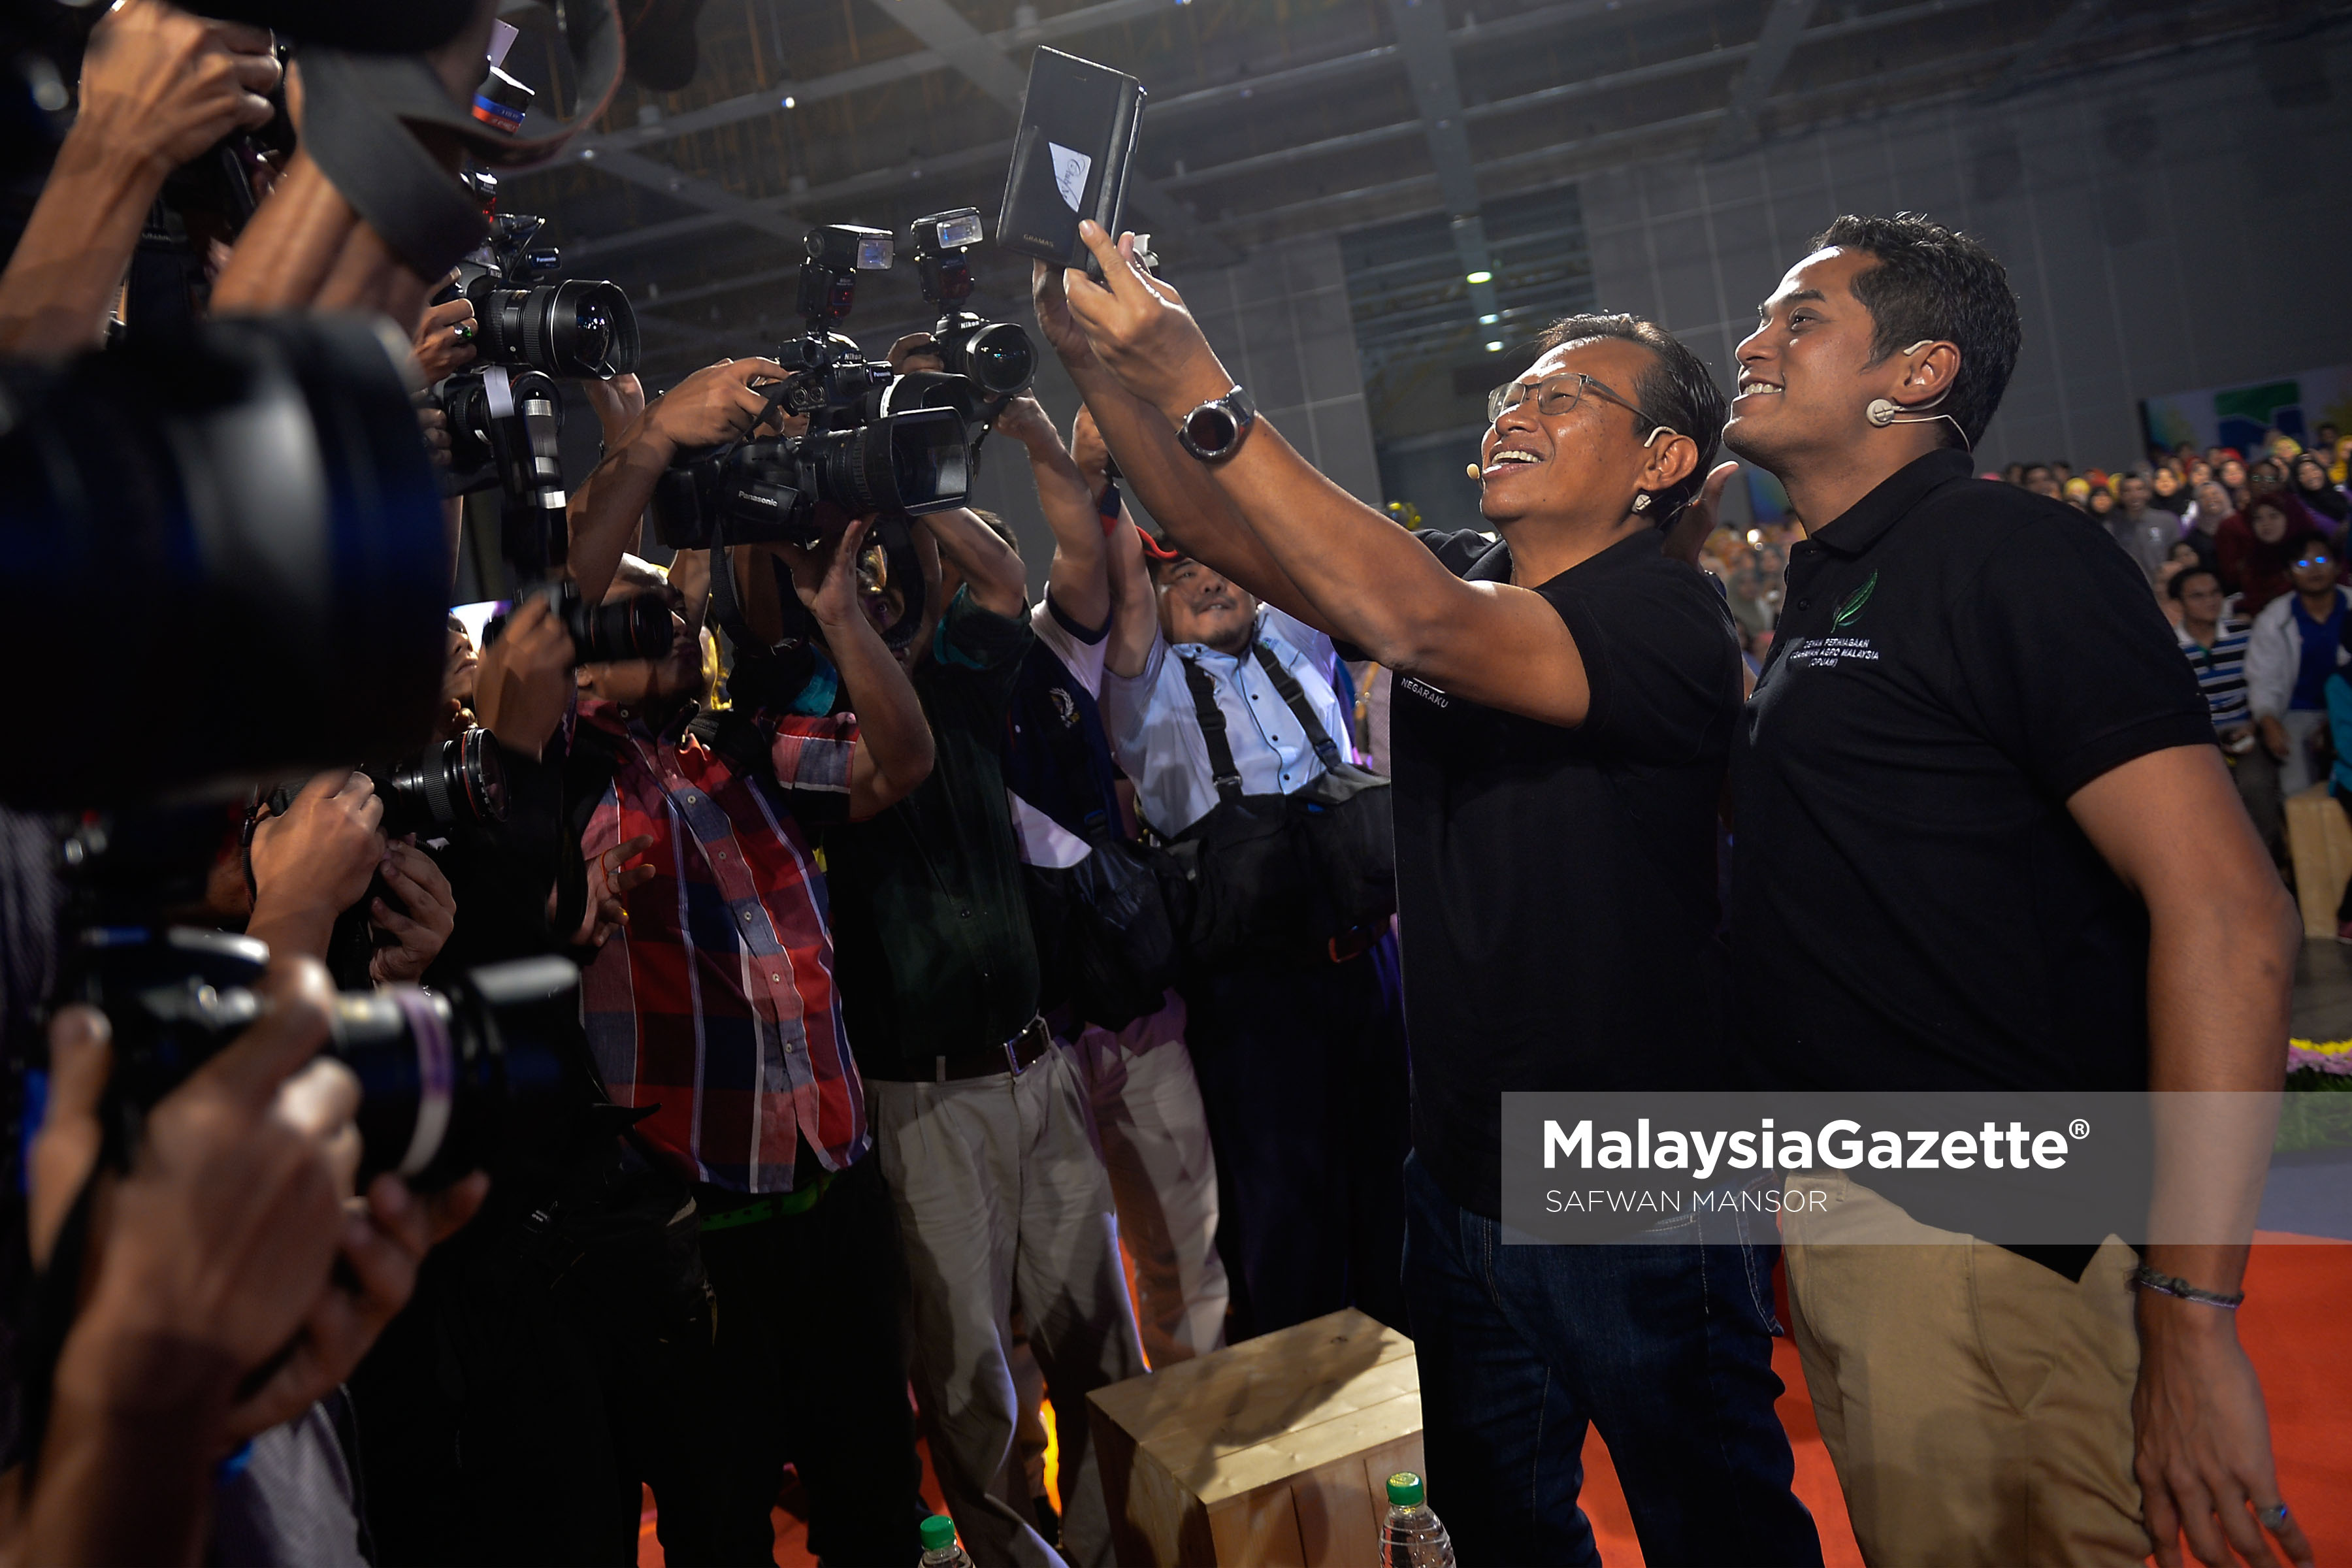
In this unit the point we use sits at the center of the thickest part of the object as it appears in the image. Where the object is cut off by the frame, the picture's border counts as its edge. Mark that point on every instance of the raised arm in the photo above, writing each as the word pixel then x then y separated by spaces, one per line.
pixel 1135 603
pixel 1186 502
pixel 1077 580
pixel 715 404
pixel 2222 941
pixel 158 86
pixel 1375 584
pixel 1000 584
pixel 894 749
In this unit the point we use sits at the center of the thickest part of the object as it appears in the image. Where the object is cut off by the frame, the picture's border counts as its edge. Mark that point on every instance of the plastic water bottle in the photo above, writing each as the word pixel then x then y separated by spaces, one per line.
pixel 1410 1537
pixel 939 1548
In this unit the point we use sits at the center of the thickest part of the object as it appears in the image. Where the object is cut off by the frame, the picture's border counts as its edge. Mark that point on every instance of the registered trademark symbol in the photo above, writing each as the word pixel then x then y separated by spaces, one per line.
pixel 2079 1128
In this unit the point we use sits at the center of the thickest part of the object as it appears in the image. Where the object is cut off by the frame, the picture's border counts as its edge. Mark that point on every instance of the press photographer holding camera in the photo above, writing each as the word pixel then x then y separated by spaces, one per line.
pixel 797 1232
pixel 221 1220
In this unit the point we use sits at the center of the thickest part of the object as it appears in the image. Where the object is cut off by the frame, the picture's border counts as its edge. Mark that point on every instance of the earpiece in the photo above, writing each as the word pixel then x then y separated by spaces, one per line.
pixel 1882 412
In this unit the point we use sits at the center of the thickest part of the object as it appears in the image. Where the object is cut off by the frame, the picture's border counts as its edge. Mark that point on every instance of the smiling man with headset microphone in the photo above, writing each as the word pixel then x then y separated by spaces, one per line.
pixel 1985 841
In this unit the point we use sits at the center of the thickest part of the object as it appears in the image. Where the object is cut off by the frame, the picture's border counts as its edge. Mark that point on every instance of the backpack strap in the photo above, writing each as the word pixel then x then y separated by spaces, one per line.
pixel 1223 771
pixel 1292 693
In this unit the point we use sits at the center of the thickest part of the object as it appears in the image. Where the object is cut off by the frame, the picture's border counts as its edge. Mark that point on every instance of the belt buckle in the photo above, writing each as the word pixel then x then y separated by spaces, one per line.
pixel 1013 1048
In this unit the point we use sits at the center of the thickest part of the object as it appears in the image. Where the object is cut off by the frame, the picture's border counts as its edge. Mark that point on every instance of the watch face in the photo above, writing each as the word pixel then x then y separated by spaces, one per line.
pixel 1211 427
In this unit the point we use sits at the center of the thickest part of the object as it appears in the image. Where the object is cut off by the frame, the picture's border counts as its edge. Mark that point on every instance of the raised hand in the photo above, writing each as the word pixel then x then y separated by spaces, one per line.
pixel 616 402
pixel 715 404
pixel 1689 531
pixel 160 86
pixel 444 335
pixel 523 685
pixel 1139 329
pixel 825 577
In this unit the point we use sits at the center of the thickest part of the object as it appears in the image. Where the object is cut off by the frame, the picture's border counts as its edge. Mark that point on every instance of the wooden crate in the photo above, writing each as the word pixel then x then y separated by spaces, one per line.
pixel 1274 1452
pixel 2319 841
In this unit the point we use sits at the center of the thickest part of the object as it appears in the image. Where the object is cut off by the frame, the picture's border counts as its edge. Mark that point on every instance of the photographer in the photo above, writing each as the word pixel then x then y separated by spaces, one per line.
pixel 158 88
pixel 1144 1101
pixel 225 1287
pixel 979 1122
pixel 685 1018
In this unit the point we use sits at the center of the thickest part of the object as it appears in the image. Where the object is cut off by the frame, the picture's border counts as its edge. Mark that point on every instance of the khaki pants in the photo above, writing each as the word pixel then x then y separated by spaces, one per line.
pixel 1977 1405
pixel 1003 1202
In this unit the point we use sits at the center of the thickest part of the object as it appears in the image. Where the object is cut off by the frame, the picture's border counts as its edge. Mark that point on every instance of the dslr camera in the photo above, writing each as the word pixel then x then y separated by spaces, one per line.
pixel 505 415
pixel 639 626
pixel 987 362
pixel 454 1079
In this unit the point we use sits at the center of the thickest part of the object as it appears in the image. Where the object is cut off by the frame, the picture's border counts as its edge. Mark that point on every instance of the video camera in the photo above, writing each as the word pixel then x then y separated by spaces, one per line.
pixel 852 457
pixel 505 415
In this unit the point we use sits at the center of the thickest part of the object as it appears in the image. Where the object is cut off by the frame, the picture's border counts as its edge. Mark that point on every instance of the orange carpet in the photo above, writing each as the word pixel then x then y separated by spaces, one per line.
pixel 2294 1326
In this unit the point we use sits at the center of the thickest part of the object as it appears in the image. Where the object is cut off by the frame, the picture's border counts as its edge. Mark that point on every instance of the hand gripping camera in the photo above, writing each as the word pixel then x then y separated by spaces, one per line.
pixel 505 415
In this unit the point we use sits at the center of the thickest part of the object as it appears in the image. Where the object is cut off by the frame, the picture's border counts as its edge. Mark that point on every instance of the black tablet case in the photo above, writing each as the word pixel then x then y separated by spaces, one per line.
pixel 1070 157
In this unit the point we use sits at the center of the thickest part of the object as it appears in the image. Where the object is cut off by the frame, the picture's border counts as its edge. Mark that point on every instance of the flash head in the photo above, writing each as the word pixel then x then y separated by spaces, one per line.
pixel 852 248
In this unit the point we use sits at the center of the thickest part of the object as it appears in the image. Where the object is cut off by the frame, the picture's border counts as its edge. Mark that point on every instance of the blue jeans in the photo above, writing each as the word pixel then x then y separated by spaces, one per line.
pixel 1666 1347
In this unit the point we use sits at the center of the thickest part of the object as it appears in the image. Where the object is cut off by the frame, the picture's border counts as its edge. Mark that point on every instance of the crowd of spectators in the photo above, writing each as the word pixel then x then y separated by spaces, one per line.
pixel 2245 553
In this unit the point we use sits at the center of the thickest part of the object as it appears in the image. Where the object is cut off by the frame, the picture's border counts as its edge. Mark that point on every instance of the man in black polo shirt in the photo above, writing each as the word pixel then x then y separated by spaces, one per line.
pixel 1564 705
pixel 1985 841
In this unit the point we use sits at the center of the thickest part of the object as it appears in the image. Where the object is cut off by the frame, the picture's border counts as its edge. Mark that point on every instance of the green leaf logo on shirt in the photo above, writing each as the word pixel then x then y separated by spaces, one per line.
pixel 1853 607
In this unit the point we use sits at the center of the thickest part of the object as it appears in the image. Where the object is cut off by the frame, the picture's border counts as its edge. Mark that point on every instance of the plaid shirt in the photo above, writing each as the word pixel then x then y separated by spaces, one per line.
pixel 716 1000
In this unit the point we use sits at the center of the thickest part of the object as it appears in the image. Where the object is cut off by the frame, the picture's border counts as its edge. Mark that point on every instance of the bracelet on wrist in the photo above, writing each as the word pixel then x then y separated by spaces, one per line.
pixel 2146 1278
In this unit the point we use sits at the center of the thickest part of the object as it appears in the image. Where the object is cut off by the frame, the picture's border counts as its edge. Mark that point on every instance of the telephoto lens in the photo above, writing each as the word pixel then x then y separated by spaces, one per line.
pixel 446 784
pixel 452 1079
pixel 253 507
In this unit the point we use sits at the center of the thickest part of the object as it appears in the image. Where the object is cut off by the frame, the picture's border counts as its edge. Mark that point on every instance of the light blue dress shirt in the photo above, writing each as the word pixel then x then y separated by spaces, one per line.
pixel 1156 735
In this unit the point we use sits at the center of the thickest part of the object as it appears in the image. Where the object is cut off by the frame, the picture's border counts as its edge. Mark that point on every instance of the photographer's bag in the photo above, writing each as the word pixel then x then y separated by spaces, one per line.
pixel 1278 878
pixel 1107 943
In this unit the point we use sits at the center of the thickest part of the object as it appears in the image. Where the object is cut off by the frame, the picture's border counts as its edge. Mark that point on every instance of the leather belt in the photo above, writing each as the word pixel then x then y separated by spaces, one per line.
pixel 1015 1055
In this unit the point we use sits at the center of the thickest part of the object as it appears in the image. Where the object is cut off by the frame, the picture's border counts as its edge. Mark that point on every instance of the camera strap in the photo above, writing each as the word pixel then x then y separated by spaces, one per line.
pixel 363 116
pixel 1222 770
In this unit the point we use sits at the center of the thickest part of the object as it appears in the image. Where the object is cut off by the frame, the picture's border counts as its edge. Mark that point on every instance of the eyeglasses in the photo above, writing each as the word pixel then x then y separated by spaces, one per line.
pixel 1558 394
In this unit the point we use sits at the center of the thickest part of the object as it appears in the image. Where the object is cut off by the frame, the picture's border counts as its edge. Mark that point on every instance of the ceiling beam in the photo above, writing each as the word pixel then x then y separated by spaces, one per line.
pixel 1428 57
pixel 981 61
pixel 1784 26
pixel 1221 96
pixel 2065 29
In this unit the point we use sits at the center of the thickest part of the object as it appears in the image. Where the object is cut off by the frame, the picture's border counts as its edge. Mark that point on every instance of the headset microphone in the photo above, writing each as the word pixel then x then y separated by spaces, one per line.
pixel 1881 412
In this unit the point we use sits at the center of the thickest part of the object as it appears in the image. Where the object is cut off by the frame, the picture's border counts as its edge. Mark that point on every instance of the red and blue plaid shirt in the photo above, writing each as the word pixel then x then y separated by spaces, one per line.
pixel 716 1000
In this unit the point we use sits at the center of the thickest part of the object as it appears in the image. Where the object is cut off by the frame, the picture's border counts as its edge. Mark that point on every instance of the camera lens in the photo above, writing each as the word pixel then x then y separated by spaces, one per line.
pixel 253 507
pixel 451 1079
pixel 910 462
pixel 581 328
pixel 448 783
pixel 1000 357
pixel 639 626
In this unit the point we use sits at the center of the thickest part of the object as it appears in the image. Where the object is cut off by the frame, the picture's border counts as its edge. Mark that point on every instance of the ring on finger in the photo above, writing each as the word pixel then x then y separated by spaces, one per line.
pixel 463 331
pixel 2275 1517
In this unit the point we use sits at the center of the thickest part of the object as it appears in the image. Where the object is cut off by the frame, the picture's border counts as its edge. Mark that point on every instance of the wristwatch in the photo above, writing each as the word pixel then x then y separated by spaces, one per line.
pixel 1212 430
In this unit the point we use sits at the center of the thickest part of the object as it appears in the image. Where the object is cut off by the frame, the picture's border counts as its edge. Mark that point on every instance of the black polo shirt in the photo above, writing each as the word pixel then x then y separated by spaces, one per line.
pixel 1555 887
pixel 1912 906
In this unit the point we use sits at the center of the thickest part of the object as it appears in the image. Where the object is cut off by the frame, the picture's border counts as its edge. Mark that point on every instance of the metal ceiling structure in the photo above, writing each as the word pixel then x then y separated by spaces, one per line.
pixel 1267 119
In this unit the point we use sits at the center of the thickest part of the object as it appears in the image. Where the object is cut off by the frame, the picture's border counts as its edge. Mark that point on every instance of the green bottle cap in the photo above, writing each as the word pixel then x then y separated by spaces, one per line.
pixel 1405 1489
pixel 938 1532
